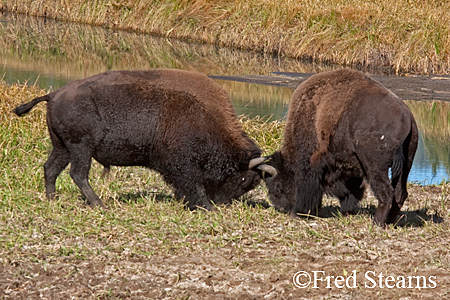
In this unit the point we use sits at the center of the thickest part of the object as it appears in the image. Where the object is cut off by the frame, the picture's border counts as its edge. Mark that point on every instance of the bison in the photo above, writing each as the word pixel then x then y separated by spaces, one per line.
pixel 179 123
pixel 344 129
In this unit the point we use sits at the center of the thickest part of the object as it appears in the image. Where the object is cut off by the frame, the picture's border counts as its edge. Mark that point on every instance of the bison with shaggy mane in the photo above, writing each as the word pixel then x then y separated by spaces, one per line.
pixel 344 128
pixel 181 124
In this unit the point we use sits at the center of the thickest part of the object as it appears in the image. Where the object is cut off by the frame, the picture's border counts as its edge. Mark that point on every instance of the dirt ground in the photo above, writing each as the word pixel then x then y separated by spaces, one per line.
pixel 225 275
pixel 406 87
pixel 393 265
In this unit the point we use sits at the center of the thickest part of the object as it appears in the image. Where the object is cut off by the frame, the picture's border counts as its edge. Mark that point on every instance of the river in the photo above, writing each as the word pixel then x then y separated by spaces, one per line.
pixel 50 53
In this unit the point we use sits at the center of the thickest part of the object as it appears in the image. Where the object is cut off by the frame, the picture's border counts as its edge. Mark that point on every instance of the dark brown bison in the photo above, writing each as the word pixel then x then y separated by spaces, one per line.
pixel 344 127
pixel 178 123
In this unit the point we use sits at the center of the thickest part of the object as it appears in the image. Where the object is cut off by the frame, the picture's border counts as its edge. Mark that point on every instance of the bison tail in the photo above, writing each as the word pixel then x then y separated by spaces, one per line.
pixel 397 163
pixel 24 108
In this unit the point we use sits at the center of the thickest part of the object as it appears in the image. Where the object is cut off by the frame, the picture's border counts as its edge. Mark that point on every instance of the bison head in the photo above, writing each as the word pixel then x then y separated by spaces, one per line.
pixel 242 180
pixel 281 187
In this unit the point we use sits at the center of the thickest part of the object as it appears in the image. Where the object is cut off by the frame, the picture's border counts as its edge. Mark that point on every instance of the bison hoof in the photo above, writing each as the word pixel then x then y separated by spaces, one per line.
pixel 294 215
pixel 97 204
pixel 204 206
pixel 379 222
pixel 51 196
pixel 391 220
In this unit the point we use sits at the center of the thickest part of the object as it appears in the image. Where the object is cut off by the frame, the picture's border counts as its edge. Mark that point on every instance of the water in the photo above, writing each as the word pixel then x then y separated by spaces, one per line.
pixel 50 54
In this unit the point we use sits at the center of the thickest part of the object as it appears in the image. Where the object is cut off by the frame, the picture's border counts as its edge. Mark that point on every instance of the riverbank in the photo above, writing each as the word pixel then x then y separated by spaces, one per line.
pixel 401 36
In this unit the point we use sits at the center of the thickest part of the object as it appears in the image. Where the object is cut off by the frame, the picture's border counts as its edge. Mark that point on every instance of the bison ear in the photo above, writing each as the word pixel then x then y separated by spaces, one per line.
pixel 244 157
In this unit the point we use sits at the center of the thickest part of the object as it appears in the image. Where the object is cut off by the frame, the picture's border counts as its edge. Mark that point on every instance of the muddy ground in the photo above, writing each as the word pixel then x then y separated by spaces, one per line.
pixel 406 87
pixel 411 261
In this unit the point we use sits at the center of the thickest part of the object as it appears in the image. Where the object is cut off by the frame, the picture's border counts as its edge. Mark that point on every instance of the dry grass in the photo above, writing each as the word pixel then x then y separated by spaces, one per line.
pixel 405 36
pixel 72 51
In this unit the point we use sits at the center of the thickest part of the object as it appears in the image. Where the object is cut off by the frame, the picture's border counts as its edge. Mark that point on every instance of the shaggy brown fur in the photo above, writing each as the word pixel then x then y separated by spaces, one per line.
pixel 344 127
pixel 179 123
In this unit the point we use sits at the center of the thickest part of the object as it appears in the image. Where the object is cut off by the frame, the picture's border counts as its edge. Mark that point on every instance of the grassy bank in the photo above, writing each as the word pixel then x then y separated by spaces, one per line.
pixel 404 36
pixel 147 246
pixel 71 51
pixel 46 47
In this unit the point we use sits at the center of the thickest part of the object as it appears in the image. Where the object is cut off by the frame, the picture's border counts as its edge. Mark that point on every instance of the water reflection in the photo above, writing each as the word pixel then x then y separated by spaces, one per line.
pixel 433 154
pixel 51 53
pixel 68 50
pixel 258 100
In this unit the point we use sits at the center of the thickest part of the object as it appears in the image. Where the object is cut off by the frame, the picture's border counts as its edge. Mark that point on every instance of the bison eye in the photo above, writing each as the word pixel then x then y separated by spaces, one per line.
pixel 229 171
pixel 243 178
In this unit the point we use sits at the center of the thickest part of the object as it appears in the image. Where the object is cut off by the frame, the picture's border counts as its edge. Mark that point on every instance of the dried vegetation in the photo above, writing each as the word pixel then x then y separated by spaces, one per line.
pixel 403 36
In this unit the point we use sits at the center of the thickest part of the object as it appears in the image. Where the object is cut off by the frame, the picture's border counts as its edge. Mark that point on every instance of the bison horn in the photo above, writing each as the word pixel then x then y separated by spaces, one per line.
pixel 268 169
pixel 263 167
pixel 256 161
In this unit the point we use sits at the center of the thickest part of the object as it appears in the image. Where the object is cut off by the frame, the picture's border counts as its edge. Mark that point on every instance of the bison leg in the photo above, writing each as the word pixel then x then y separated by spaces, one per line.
pixel 384 192
pixel 376 169
pixel 400 183
pixel 106 170
pixel 393 213
pixel 194 197
pixel 308 197
pixel 349 202
pixel 79 171
pixel 56 163
pixel 400 194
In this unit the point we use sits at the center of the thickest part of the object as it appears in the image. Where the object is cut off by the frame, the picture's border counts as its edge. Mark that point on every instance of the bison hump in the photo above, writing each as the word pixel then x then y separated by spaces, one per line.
pixel 331 94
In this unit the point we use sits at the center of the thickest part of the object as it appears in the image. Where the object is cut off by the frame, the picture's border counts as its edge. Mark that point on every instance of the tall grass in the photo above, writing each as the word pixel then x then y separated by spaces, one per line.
pixel 75 51
pixel 404 35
